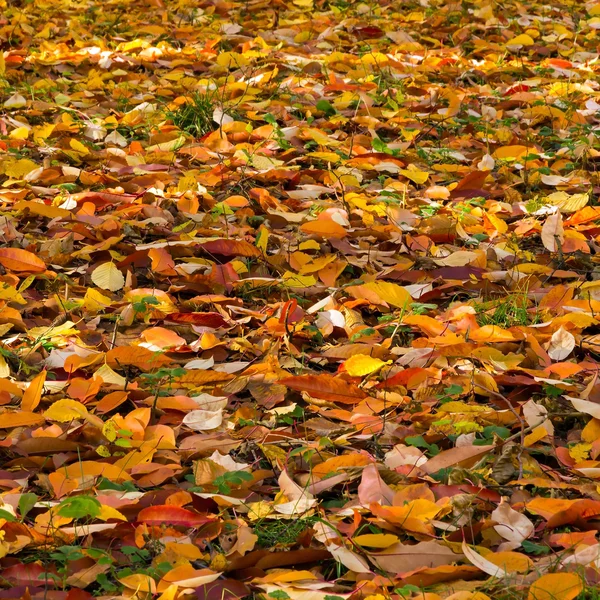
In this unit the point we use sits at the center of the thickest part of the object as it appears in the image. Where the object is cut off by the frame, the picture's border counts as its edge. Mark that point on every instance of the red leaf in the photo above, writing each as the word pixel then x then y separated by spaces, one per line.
pixel 29 574
pixel 230 248
pixel 212 319
pixel 174 515
pixel 368 33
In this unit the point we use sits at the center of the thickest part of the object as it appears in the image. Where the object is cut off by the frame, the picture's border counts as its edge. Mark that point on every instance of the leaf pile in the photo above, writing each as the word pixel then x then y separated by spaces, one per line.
pixel 299 300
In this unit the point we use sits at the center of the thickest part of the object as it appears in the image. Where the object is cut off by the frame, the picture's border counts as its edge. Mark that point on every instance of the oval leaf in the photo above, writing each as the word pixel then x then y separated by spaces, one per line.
pixel 15 259
pixel 108 277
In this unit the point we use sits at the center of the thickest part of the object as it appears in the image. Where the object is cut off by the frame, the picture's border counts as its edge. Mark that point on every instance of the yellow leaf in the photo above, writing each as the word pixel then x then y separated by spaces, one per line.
pixel 64 411
pixel 9 293
pixel 520 40
pixel 499 225
pixel 262 239
pixel 167 146
pixel 291 280
pixel 591 432
pixel 79 147
pixel 568 203
pixel 310 245
pixel 231 60
pixel 360 365
pixel 39 208
pixel 94 301
pixel 556 586
pixel 303 3
pixel 331 157
pixel 415 176
pixel 109 431
pixel 108 277
pixel 539 433
pixel 42 132
pixel 19 168
pixel 511 562
pixel 20 133
pixel 139 583
pixel 391 293
pixel 264 163
pixel 376 540
pixel 580 452
pixel 108 512
pixel 511 152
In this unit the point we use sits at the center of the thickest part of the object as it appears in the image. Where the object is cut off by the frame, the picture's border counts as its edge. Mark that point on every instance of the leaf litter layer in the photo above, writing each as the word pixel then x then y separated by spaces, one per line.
pixel 299 300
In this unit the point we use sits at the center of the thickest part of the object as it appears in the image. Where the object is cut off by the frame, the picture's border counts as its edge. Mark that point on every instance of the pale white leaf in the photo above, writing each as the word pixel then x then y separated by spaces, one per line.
pixel 200 363
pixel 585 406
pixel 487 163
pixel 562 343
pixel 15 101
pixel 482 563
pixel 553 232
pixel 227 462
pixel 535 414
pixel 203 420
pixel 512 525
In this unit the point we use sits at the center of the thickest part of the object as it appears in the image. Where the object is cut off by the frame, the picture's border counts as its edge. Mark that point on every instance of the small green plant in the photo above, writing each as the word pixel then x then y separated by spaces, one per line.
pixel 195 116
pixel 510 311
pixel 79 507
pixel 274 532
pixel 418 441
pixel 142 307
pixel 235 478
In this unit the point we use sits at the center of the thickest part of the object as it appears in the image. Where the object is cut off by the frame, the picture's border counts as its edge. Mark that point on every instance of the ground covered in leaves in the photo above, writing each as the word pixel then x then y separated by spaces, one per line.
pixel 299 300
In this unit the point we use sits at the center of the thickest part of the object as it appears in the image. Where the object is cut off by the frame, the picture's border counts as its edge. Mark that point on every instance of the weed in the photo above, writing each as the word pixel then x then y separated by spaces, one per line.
pixel 273 533
pixel 196 115
pixel 506 312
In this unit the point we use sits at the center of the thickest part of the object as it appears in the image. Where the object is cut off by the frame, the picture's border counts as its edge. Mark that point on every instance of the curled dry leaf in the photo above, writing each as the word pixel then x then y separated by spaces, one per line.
pixel 553 232
pixel 511 524
pixel 562 343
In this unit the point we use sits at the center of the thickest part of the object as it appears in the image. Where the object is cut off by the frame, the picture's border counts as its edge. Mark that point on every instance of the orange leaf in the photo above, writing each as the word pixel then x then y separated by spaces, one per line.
pixel 324 228
pixel 138 357
pixel 33 394
pixel 556 586
pixel 22 418
pixel 111 401
pixel 325 387
pixel 491 333
pixel 162 261
pixel 16 259
pixel 333 465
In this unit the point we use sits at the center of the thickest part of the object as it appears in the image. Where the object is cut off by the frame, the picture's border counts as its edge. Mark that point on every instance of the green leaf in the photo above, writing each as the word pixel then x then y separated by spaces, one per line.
pixel 380 146
pixel 326 107
pixel 26 503
pixel 4 514
pixel 533 548
pixel 79 507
